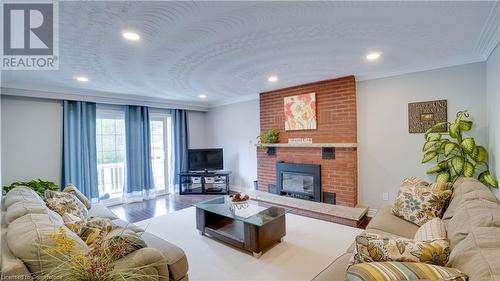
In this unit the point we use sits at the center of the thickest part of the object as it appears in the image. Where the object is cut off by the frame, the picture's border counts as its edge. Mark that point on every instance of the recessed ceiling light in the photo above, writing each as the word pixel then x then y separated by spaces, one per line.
pixel 132 36
pixel 373 56
pixel 82 79
pixel 272 79
pixel 203 96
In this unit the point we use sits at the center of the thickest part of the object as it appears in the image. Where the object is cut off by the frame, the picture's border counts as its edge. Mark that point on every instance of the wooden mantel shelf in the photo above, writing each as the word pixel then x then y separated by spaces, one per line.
pixel 323 144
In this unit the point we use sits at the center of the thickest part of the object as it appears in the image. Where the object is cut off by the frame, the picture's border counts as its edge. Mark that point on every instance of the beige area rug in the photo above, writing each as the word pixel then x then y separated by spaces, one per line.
pixel 309 246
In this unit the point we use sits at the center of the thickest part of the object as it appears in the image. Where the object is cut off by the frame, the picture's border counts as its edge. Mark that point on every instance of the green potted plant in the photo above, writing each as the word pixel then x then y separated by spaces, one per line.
pixel 270 136
pixel 39 186
pixel 456 153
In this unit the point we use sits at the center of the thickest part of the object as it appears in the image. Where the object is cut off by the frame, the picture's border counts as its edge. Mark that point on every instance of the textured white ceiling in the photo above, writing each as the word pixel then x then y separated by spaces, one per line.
pixel 227 50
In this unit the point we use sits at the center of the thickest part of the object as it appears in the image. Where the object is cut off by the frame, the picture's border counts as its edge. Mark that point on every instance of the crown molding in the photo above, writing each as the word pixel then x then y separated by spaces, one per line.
pixel 98 97
pixel 361 77
pixel 234 100
pixel 489 37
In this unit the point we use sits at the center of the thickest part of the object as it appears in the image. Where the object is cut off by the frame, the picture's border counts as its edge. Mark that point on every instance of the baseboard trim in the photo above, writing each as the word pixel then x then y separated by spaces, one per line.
pixel 371 212
pixel 238 188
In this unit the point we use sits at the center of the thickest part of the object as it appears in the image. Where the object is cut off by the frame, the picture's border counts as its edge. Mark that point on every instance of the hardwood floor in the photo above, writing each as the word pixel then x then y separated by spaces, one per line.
pixel 138 211
pixel 161 205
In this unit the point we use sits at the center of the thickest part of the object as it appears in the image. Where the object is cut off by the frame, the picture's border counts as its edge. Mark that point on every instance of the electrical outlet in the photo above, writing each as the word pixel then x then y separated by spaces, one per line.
pixel 385 196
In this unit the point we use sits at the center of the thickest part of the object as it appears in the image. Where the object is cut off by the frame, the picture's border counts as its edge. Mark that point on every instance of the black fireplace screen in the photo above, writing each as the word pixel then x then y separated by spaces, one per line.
pixel 298 182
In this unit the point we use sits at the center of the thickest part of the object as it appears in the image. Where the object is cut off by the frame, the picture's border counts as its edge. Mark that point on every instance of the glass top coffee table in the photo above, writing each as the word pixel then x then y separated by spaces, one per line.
pixel 250 226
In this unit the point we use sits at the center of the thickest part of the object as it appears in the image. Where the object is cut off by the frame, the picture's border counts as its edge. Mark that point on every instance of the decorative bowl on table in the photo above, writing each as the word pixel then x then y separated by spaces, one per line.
pixel 238 201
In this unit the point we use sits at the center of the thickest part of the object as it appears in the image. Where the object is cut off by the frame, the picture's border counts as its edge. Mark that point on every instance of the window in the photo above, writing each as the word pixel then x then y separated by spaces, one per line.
pixel 160 149
pixel 110 142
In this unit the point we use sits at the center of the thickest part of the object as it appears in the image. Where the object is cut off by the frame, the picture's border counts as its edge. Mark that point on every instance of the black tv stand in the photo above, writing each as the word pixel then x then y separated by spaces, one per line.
pixel 206 172
pixel 204 182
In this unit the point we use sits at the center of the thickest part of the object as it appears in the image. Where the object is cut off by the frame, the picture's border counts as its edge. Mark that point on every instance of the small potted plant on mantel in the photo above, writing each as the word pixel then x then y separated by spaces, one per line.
pixel 266 137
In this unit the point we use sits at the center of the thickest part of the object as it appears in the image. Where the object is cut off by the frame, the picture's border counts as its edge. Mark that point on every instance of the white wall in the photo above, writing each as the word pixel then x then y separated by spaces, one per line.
pixel 31 139
pixel 493 98
pixel 235 127
pixel 197 129
pixel 387 152
pixel 1 184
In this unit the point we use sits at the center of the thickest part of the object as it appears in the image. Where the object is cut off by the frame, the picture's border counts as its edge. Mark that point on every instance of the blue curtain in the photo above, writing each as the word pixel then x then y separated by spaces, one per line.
pixel 180 141
pixel 79 165
pixel 139 180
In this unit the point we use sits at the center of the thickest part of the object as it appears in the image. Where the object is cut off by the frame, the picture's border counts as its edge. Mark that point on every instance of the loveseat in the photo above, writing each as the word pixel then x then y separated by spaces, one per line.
pixel 472 221
pixel 26 221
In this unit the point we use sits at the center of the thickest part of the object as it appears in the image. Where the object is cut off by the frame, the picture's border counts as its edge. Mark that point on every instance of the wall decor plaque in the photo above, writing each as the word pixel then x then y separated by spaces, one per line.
pixel 423 115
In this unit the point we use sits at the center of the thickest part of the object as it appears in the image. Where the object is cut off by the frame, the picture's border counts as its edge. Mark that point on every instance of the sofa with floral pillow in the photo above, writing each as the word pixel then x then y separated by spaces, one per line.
pixel 431 232
pixel 39 234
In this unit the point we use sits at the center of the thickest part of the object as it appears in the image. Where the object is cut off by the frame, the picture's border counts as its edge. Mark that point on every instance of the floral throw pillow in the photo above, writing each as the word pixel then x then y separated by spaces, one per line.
pixel 441 186
pixel 420 204
pixel 63 202
pixel 374 248
pixel 90 229
pixel 414 181
pixel 70 188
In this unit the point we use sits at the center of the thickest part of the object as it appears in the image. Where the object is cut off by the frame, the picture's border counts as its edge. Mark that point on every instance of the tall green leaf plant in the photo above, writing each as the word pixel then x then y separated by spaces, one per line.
pixel 456 153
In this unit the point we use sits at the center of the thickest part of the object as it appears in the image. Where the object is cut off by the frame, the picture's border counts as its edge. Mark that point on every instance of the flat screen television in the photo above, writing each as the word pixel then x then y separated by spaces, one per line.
pixel 205 159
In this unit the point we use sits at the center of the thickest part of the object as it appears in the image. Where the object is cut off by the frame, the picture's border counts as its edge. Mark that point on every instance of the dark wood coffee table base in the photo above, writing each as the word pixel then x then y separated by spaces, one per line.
pixel 242 235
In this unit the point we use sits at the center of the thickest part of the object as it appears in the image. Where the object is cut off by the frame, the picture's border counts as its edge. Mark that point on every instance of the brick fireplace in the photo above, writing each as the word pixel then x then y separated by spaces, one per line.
pixel 336 123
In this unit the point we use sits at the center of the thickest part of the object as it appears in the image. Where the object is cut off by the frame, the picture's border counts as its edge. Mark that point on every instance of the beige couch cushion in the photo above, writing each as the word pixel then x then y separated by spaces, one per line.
pixel 128 225
pixel 150 261
pixel 384 220
pixel 467 189
pixel 19 209
pixel 101 211
pixel 465 185
pixel 175 256
pixel 336 270
pixel 478 255
pixel 25 234
pixel 22 194
pixel 12 267
pixel 472 214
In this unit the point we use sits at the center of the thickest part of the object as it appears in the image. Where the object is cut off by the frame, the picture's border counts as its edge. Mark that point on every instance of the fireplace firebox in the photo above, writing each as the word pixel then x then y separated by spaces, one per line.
pixel 299 180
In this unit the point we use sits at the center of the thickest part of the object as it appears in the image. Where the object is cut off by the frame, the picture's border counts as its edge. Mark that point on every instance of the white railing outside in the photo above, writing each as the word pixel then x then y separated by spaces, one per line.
pixel 111 179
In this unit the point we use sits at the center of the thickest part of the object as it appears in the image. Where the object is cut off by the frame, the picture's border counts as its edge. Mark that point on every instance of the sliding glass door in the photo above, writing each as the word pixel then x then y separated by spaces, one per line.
pixel 111 153
pixel 161 140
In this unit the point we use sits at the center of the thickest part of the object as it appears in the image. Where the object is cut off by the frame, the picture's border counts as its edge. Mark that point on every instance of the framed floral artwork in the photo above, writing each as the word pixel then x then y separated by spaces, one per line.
pixel 300 112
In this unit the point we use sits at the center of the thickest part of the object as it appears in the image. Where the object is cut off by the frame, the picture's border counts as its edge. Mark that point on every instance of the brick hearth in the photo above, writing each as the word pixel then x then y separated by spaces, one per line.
pixel 336 123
